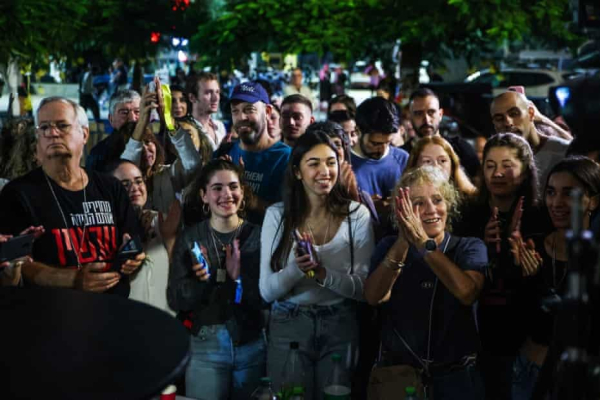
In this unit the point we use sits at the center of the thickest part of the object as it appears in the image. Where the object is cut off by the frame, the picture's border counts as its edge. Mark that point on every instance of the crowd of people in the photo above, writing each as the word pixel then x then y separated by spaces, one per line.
pixel 414 259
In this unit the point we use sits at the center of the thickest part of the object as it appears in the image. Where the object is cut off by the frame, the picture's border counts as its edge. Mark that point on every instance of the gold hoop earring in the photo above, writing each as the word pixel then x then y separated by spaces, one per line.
pixel 205 208
pixel 242 206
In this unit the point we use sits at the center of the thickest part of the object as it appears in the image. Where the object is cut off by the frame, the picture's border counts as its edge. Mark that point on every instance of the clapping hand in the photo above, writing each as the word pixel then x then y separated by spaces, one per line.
pixel 408 219
pixel 524 254
pixel 232 259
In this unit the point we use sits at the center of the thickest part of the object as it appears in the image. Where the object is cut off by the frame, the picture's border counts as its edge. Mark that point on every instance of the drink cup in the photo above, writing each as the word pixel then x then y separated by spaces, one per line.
pixel 169 393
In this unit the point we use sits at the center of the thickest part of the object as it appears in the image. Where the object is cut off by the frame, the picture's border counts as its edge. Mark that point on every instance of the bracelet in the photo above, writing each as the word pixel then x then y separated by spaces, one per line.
pixel 392 264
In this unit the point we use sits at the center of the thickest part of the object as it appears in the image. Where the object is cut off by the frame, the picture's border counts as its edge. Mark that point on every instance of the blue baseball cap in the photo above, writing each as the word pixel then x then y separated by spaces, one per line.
pixel 250 92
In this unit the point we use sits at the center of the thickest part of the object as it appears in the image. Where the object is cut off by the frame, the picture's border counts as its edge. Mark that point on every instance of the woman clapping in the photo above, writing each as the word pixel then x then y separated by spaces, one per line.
pixel 428 280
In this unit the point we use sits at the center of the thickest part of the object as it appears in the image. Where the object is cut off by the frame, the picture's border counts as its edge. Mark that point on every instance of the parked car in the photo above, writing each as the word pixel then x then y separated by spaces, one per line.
pixel 537 82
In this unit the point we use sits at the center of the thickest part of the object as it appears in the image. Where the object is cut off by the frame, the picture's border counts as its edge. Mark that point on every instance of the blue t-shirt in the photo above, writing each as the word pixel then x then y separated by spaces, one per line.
pixel 264 170
pixel 453 329
pixel 380 176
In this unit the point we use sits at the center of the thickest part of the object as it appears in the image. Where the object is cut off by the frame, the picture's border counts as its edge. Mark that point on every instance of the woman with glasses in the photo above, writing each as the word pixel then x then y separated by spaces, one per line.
pixel 149 282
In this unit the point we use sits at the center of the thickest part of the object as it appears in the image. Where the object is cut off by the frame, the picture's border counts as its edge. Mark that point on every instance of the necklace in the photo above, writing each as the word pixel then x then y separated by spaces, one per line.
pixel 221 272
pixel 326 231
pixel 77 253
pixel 554 284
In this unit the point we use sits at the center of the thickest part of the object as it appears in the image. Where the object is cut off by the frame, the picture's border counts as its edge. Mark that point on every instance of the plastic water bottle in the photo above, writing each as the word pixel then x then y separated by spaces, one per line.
pixel 293 373
pixel 411 393
pixel 338 384
pixel 264 390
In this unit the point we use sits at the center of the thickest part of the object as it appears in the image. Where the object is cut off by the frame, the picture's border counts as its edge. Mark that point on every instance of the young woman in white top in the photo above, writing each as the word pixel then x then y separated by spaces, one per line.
pixel 312 300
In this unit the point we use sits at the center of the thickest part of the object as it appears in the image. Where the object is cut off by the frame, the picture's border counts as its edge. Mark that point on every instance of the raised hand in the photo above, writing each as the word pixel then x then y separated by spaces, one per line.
pixel 491 234
pixel 515 223
pixel 348 179
pixel 169 225
pixel 408 219
pixel 525 255
pixel 232 259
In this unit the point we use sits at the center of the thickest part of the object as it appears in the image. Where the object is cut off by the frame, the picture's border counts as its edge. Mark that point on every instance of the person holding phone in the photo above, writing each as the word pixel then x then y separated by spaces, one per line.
pixel 319 290
pixel 214 283
pixel 163 181
pixel 149 282
pixel 86 215
pixel 10 269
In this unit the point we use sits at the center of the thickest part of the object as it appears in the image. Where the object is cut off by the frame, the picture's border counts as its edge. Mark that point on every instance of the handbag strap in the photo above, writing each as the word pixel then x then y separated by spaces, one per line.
pixel 425 362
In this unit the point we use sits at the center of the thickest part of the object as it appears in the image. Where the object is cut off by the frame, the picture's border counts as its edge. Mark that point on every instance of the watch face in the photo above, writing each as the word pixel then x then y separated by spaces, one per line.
pixel 430 245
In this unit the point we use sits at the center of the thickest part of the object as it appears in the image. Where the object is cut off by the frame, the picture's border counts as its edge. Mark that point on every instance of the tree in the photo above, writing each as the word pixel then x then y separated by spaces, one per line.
pixel 352 28
pixel 33 29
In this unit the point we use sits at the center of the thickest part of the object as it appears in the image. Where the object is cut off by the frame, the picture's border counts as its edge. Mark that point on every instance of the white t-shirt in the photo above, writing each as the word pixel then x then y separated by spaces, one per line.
pixel 553 150
pixel 219 130
pixel 342 281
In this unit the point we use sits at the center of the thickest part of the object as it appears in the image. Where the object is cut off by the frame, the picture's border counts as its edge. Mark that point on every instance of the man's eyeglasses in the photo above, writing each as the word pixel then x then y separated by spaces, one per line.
pixel 46 127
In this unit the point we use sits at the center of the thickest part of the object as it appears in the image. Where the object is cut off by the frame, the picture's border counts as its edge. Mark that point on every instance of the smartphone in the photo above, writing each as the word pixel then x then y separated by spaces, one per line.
pixel 304 247
pixel 152 86
pixel 197 257
pixel 16 247
pixel 131 249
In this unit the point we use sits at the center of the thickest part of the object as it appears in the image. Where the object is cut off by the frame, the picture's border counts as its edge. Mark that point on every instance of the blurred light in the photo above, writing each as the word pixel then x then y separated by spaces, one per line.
pixel 562 95
pixel 184 42
pixel 154 37
pixel 175 41
pixel 182 56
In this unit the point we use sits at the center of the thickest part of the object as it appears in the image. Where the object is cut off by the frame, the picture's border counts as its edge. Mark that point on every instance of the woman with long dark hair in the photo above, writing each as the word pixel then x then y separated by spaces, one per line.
pixel 220 296
pixel 576 172
pixel 312 293
pixel 506 208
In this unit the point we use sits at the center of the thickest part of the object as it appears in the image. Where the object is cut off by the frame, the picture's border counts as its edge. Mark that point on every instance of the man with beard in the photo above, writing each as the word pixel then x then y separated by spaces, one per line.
pixel 512 112
pixel 264 159
pixel 426 115
pixel 377 165
pixel 296 116
pixel 205 94
pixel 86 215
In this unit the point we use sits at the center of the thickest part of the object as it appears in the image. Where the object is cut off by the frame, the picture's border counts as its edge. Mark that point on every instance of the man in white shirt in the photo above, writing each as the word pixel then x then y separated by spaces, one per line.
pixel 512 112
pixel 204 94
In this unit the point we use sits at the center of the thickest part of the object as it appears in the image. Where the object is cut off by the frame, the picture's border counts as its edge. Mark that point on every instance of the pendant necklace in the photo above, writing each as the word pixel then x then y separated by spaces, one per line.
pixel 77 253
pixel 221 270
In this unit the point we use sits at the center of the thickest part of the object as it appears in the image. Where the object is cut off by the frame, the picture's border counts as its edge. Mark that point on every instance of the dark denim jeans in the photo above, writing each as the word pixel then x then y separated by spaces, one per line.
pixel 525 375
pixel 463 384
pixel 218 370
pixel 321 331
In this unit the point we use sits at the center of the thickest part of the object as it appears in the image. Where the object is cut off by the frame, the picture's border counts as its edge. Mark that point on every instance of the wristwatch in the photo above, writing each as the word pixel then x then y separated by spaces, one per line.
pixel 430 245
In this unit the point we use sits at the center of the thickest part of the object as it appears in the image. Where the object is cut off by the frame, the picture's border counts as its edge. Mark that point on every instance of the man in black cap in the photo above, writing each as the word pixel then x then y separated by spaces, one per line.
pixel 263 158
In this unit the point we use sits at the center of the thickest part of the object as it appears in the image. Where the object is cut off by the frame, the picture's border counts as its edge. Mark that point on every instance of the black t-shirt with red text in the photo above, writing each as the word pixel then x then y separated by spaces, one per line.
pixel 104 216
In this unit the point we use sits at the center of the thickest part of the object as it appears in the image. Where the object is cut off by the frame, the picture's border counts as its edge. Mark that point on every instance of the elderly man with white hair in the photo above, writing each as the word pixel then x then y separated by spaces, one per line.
pixel 86 215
